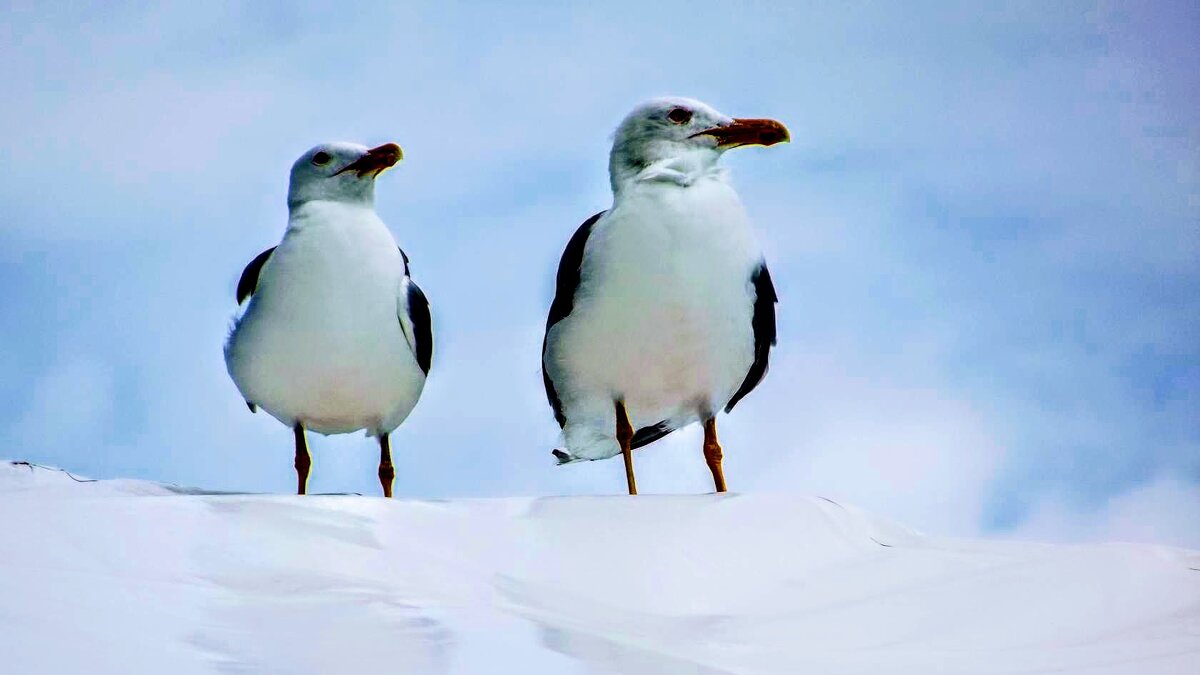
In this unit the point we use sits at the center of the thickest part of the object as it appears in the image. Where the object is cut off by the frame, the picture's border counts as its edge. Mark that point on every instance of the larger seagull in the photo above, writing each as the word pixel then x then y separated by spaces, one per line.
pixel 664 311
pixel 336 336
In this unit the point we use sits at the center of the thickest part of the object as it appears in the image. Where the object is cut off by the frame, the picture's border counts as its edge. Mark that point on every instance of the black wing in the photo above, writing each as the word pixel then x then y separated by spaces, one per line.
pixel 422 322
pixel 647 435
pixel 249 280
pixel 763 323
pixel 405 256
pixel 569 269
pixel 564 301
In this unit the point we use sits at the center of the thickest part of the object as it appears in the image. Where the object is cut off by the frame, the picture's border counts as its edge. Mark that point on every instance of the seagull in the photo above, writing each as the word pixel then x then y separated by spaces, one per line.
pixel 333 336
pixel 664 311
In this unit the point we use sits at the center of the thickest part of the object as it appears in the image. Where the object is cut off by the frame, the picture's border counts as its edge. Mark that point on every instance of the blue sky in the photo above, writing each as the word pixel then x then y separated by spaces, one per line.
pixel 985 234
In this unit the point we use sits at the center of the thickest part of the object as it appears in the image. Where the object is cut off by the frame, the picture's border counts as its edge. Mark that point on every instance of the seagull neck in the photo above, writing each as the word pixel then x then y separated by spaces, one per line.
pixel 310 207
pixel 683 171
pixel 324 212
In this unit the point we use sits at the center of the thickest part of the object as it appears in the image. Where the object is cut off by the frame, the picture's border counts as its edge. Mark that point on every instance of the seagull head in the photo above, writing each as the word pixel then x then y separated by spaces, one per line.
pixel 340 172
pixel 683 129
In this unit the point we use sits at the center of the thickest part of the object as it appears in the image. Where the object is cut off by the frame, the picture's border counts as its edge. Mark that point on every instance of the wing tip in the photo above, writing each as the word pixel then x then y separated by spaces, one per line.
pixel 248 282
pixel 421 317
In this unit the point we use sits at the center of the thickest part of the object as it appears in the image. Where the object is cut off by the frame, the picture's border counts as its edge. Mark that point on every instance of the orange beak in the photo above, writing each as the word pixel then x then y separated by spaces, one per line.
pixel 375 161
pixel 748 132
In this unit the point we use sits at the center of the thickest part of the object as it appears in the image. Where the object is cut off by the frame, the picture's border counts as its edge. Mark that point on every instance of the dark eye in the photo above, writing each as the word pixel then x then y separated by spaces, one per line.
pixel 321 158
pixel 680 115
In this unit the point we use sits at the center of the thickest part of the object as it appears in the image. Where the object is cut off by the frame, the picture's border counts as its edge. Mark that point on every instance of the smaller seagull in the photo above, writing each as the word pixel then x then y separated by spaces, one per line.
pixel 664 311
pixel 334 336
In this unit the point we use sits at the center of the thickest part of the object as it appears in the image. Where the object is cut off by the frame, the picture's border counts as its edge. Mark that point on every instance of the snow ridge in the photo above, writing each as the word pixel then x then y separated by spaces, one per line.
pixel 135 577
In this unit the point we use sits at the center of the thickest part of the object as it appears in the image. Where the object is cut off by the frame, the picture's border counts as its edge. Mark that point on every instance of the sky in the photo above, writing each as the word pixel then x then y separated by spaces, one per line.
pixel 985 235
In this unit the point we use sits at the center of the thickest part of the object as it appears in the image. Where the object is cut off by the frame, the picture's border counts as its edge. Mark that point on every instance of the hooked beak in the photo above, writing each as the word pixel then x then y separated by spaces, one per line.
pixel 748 132
pixel 375 161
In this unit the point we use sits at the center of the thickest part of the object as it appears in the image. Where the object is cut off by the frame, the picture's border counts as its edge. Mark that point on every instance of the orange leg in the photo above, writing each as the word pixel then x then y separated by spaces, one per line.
pixel 303 462
pixel 712 453
pixel 387 473
pixel 624 438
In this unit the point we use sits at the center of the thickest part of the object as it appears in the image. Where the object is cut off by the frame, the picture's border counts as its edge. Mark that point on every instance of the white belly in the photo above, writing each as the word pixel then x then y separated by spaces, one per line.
pixel 662 317
pixel 321 342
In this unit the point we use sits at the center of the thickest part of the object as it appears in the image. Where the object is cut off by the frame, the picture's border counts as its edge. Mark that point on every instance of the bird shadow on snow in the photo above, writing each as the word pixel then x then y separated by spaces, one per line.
pixel 610 634
pixel 307 596
pixel 613 640
pixel 653 620
pixel 200 492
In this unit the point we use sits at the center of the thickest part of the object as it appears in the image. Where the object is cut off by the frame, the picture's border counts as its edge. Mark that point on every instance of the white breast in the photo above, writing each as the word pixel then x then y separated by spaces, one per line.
pixel 662 317
pixel 320 341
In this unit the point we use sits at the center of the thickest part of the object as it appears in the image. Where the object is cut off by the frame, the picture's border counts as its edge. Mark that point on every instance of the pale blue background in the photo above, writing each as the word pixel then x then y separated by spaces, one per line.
pixel 986 236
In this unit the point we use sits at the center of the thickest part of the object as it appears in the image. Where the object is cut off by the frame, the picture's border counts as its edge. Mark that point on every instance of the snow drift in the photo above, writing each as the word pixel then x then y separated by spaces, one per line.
pixel 134 577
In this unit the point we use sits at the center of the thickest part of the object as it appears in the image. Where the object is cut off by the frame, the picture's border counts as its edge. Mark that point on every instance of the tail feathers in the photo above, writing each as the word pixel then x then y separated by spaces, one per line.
pixel 583 442
pixel 564 458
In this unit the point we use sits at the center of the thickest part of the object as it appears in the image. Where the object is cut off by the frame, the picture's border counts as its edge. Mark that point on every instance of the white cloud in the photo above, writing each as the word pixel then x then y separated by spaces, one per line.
pixel 71 405
pixel 902 445
pixel 1163 511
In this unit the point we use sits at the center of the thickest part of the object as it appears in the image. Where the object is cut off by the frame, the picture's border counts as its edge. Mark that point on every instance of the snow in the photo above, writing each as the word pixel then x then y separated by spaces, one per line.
pixel 136 577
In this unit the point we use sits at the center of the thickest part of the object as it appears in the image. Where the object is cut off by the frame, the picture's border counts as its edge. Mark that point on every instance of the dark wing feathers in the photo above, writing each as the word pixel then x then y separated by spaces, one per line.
pixel 565 285
pixel 422 321
pixel 763 323
pixel 647 435
pixel 249 280
pixel 405 256
pixel 246 286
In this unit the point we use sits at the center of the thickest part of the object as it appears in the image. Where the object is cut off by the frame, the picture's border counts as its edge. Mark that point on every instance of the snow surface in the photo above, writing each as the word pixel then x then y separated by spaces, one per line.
pixel 135 577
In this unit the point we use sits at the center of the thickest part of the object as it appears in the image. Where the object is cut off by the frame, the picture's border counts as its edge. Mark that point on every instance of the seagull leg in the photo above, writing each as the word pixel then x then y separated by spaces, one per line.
pixel 712 453
pixel 302 460
pixel 624 438
pixel 387 473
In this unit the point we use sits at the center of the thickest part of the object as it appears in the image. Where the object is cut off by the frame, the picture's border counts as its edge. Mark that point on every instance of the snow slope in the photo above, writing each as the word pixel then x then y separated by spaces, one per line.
pixel 133 577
